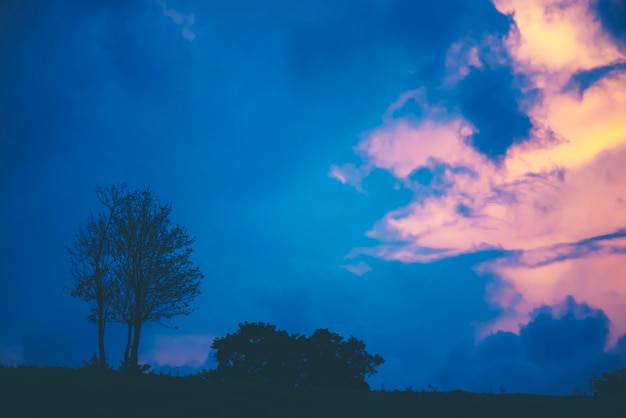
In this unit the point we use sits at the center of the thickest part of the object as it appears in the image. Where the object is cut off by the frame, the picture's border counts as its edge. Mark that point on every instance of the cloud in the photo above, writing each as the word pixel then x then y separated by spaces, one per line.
pixel 556 352
pixel 415 33
pixel 403 146
pixel 185 21
pixel 179 350
pixel 612 15
pixel 461 58
pixel 536 170
pixel 359 268
pixel 589 272
pixel 490 100
pixel 348 174
pixel 563 332
pixel 582 80
pixel 556 36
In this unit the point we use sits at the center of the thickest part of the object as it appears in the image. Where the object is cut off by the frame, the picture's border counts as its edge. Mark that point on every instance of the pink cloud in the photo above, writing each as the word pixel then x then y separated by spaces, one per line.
pixel 461 57
pixel 565 184
pixel 547 275
pixel 556 36
pixel 403 145
pixel 349 174
pixel 179 350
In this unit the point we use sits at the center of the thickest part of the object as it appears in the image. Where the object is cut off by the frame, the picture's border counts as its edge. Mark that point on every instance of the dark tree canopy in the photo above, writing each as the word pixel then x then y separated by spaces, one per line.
pixel 135 263
pixel 258 352
pixel 609 384
pixel 332 361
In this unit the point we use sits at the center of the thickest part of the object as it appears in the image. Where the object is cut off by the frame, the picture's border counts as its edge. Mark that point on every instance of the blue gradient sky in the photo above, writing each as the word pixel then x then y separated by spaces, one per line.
pixel 283 132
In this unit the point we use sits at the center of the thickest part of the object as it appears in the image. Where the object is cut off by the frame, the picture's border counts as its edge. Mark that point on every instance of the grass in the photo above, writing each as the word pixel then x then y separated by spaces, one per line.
pixel 62 392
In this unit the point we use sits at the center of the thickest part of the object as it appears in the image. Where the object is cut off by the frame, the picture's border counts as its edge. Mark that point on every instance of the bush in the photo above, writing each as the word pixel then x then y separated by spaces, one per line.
pixel 258 352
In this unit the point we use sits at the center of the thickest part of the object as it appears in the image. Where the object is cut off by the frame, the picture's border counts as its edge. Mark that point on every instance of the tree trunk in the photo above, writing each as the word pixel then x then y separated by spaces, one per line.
pixel 129 336
pixel 101 325
pixel 134 361
pixel 100 299
pixel 136 323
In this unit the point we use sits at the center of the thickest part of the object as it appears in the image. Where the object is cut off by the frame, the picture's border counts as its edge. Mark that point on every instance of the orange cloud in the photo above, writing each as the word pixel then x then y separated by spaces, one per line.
pixel 554 36
pixel 565 185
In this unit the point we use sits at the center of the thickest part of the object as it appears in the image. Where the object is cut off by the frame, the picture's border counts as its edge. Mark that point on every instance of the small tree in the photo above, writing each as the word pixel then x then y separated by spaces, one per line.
pixel 155 278
pixel 135 263
pixel 92 262
pixel 331 361
pixel 257 352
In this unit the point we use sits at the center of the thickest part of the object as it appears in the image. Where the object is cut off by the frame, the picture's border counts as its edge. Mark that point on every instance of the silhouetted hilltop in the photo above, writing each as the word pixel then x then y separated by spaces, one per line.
pixel 45 392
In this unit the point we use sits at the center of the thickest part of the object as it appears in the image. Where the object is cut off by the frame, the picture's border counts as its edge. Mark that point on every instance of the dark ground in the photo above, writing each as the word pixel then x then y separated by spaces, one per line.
pixel 60 392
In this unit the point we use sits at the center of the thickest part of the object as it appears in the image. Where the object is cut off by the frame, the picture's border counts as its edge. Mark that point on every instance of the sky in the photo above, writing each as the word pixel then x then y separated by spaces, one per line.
pixel 445 181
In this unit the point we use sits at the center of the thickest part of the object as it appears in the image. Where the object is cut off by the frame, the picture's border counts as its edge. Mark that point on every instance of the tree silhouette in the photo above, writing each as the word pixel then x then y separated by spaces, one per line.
pixel 144 272
pixel 92 262
pixel 333 362
pixel 609 384
pixel 257 352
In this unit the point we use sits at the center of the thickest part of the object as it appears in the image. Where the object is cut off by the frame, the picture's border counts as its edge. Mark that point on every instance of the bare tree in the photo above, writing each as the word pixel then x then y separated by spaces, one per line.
pixel 92 261
pixel 155 278
pixel 135 263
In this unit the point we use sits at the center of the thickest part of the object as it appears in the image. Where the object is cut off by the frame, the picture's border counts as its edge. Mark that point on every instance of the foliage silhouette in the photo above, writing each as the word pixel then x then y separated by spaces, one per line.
pixel 609 384
pixel 135 263
pixel 259 353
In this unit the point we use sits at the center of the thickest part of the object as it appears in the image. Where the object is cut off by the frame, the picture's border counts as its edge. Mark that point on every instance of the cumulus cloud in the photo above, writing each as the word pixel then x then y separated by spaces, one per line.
pixel 556 36
pixel 556 352
pixel 553 199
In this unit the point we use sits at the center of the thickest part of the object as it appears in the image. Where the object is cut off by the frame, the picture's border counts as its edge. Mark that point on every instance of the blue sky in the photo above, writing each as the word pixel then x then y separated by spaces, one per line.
pixel 401 171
